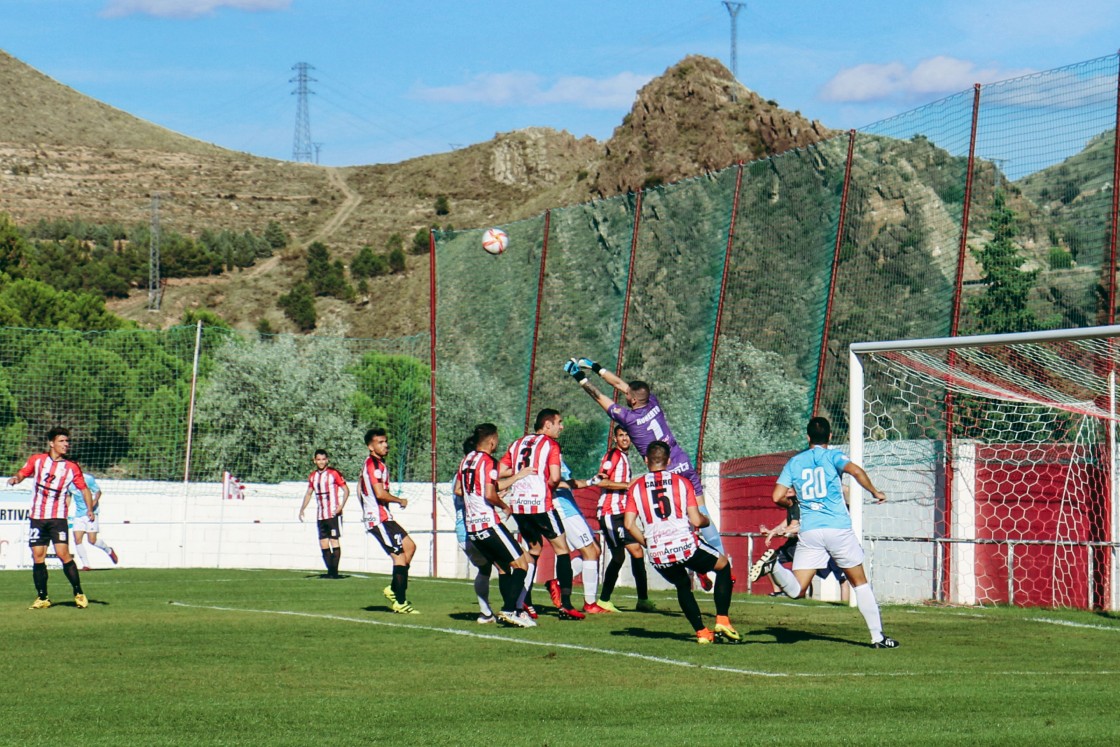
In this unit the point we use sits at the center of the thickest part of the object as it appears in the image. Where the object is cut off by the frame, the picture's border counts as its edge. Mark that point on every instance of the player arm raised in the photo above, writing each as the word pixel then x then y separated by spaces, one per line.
pixel 861 477
pixel 574 368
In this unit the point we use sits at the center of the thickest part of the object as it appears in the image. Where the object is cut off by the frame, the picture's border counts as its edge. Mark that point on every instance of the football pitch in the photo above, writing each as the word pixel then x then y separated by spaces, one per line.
pixel 220 657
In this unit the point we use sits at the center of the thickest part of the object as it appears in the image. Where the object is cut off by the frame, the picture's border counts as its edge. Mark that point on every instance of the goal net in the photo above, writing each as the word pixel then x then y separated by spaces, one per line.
pixel 998 455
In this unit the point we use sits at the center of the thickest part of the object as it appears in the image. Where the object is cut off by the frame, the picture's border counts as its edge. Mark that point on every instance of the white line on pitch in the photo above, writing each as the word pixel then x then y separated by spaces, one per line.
pixel 487 636
pixel 1067 623
pixel 613 652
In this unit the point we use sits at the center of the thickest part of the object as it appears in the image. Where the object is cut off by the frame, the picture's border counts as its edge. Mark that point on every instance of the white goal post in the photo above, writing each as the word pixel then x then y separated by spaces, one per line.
pixel 998 454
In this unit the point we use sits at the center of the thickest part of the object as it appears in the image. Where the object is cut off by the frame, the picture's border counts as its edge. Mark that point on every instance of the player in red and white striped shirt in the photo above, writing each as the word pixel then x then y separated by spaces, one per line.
pixel 331 493
pixel 614 479
pixel 478 484
pixel 373 492
pixel 530 499
pixel 53 474
pixel 666 505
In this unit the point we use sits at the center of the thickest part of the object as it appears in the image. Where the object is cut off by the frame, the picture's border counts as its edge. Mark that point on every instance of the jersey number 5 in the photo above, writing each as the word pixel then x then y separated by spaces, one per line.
pixel 660 502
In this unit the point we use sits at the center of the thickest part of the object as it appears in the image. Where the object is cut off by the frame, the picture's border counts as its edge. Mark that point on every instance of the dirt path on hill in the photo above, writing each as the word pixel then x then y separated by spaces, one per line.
pixel 353 199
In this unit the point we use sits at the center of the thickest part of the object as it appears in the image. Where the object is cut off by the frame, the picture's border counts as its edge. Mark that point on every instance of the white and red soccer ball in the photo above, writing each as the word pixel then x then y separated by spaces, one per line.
pixel 495 241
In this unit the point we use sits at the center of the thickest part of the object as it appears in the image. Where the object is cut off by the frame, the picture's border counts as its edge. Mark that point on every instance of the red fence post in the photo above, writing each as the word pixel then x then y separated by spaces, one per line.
pixel 719 315
pixel 432 412
pixel 629 281
pixel 1115 208
pixel 962 249
pixel 842 221
pixel 537 321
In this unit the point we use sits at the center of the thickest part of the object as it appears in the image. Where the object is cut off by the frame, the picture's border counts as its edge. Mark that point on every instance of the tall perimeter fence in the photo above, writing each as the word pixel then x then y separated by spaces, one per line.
pixel 735 295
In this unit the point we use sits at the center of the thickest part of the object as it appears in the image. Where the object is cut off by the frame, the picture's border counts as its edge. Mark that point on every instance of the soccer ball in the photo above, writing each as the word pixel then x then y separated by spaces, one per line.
pixel 495 241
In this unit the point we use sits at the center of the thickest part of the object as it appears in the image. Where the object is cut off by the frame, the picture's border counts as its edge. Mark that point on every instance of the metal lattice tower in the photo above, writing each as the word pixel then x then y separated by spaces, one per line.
pixel 155 292
pixel 301 142
pixel 733 9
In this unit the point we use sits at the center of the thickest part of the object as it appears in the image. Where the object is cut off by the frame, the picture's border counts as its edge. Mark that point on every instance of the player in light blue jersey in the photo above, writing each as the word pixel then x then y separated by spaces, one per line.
pixel 826 527
pixel 86 525
pixel 581 539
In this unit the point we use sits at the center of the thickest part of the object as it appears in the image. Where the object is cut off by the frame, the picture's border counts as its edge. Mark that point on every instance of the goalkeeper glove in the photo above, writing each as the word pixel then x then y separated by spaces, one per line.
pixel 588 363
pixel 572 369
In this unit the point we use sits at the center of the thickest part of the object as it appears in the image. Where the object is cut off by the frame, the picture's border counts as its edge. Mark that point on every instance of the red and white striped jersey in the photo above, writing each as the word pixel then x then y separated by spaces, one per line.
pixel 616 468
pixel 52 479
pixel 327 485
pixel 532 494
pixel 374 471
pixel 661 500
pixel 477 471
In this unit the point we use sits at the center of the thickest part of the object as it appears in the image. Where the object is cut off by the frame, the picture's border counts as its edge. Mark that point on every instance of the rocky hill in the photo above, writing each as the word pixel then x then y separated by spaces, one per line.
pixel 63 154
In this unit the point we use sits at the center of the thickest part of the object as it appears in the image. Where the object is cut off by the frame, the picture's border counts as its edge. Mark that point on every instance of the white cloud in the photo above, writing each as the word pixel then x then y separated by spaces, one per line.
pixel 894 81
pixel 187 8
pixel 529 89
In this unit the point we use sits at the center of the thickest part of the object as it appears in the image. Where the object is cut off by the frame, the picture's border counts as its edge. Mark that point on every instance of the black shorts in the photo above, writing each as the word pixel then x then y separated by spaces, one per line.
pixel 330 528
pixel 536 527
pixel 45 531
pixel 497 545
pixel 702 561
pixel 391 536
pixel 614 531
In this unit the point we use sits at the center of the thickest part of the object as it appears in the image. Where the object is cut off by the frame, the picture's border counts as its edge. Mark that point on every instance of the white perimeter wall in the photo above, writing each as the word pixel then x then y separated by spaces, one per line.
pixel 172 525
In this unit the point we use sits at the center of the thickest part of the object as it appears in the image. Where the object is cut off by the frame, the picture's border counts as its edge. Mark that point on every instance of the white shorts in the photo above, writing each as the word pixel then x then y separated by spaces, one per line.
pixel 86 524
pixel 578 532
pixel 816 546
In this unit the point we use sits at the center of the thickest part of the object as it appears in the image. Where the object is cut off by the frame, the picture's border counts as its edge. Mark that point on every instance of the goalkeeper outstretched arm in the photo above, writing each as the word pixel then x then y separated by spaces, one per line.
pixel 574 368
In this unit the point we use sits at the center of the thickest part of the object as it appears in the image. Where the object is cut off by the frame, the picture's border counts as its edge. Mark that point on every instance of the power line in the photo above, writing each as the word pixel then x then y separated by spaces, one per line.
pixel 301 141
pixel 733 9
pixel 155 292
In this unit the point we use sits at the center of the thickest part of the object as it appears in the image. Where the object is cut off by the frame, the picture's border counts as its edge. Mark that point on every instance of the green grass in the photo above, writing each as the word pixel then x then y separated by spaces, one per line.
pixel 135 669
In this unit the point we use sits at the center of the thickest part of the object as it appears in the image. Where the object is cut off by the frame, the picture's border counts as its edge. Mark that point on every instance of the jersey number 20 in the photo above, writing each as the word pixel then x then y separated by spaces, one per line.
pixel 813 485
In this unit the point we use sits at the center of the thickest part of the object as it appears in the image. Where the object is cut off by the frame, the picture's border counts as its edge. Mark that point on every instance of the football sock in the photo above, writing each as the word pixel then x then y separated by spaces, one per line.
pixel 610 576
pixel 564 578
pixel 482 589
pixel 516 584
pixel 336 558
pixel 638 568
pixel 80 549
pixel 687 601
pixel 526 594
pixel 100 545
pixel 722 591
pixel 326 551
pixel 507 588
pixel 398 584
pixel 71 571
pixel 869 608
pixel 786 581
pixel 39 573
pixel 577 565
pixel 590 576
pixel 710 533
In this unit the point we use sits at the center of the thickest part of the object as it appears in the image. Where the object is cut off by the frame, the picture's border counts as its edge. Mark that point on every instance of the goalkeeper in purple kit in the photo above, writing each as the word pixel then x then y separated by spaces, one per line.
pixel 644 419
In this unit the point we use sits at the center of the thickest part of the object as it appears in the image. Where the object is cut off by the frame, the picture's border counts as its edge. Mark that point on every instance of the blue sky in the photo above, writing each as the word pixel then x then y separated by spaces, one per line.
pixel 396 80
